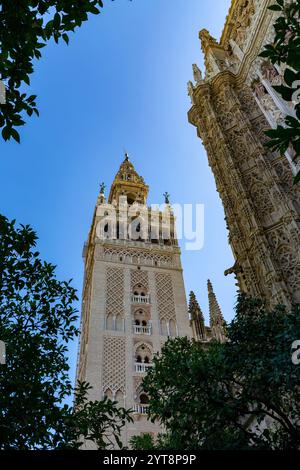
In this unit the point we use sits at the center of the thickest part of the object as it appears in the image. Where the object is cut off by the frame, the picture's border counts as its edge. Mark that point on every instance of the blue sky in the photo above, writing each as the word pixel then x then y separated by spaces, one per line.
pixel 120 84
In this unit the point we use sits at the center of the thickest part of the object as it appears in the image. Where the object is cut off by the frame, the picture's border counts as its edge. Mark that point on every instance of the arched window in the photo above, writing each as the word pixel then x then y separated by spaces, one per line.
pixel 144 323
pixel 119 397
pixel 137 322
pixel 172 328
pixel 119 323
pixel 144 400
pixel 108 393
pixel 143 353
pixel 110 322
pixel 163 327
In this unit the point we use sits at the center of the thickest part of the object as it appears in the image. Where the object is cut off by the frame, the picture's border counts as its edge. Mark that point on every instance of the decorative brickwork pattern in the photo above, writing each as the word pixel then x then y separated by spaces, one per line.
pixel 113 364
pixel 114 291
pixel 165 296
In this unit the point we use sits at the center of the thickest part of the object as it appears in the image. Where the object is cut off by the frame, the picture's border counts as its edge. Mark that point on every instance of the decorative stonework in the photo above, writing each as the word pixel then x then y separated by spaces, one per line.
pixel 231 110
pixel 114 291
pixel 120 327
pixel 113 364
pixel 165 296
pixel 139 277
pixel 137 257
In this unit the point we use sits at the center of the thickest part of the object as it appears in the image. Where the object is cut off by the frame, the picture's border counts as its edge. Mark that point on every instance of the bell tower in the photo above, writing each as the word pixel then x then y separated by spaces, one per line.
pixel 133 295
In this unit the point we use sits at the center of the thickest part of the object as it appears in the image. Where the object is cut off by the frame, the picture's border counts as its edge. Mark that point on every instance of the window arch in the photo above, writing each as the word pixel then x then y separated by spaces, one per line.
pixel 144 400
pixel 119 397
pixel 143 353
pixel 172 328
pixel 163 327
pixel 109 322
pixel 119 323
pixel 108 393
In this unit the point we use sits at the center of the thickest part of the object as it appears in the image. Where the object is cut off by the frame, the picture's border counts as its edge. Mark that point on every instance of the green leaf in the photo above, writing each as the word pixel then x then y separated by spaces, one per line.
pixel 15 135
pixel 289 77
pixel 65 38
pixel 275 8
pixel 297 178
pixel 6 133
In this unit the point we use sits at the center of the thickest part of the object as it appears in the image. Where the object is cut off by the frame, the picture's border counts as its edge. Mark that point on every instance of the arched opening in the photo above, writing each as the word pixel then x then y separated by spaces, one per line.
pixel 143 353
pixel 119 397
pixel 144 400
pixel 172 328
pixel 109 322
pixel 119 322
pixel 163 327
pixel 108 394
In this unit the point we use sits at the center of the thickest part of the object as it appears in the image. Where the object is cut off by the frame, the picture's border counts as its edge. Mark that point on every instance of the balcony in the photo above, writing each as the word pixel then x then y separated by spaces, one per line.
pixel 140 299
pixel 140 409
pixel 142 367
pixel 142 330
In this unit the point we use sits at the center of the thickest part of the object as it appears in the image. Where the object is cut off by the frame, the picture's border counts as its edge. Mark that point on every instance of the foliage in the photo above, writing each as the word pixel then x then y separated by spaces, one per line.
pixel 142 442
pixel 25 29
pixel 100 422
pixel 286 50
pixel 237 395
pixel 37 321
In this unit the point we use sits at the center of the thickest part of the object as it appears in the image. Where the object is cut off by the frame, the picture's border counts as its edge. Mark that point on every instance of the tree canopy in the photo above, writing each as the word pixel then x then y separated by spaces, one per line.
pixel 37 323
pixel 285 51
pixel 237 395
pixel 25 28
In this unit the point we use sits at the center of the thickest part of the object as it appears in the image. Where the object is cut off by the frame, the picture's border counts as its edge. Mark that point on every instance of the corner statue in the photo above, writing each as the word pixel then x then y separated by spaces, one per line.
pixel 167 197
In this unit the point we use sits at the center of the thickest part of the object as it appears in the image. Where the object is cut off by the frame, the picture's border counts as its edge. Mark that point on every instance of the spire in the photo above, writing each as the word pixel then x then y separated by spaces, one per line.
pixel 206 40
pixel 196 318
pixel 217 322
pixel 128 183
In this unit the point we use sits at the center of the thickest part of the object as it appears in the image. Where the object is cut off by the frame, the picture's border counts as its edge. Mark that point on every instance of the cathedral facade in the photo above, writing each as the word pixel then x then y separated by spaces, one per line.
pixel 232 105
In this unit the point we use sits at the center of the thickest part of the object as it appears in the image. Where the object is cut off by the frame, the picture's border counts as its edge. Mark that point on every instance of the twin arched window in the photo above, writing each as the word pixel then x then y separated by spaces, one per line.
pixel 114 322
pixel 168 328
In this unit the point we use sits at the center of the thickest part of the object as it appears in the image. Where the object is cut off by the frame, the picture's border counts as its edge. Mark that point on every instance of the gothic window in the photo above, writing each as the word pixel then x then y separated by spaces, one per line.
pixel 108 393
pixel 119 397
pixel 172 328
pixel 110 322
pixel 137 322
pixel 143 353
pixel 163 327
pixel 119 323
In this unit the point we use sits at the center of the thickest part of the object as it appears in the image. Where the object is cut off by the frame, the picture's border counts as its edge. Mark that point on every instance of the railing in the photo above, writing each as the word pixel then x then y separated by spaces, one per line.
pixel 141 409
pixel 142 367
pixel 142 330
pixel 140 299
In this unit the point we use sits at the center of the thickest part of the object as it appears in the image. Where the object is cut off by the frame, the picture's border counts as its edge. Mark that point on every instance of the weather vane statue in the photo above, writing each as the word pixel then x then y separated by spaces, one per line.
pixel 167 197
pixel 102 188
